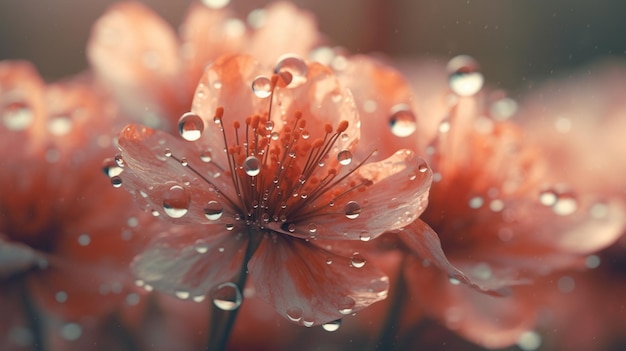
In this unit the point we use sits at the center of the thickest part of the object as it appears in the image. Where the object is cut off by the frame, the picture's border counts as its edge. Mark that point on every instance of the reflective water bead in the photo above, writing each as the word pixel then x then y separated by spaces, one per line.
pixel 262 87
pixel 201 246
pixel 529 341
pixel 213 210
pixel 60 125
pixel 215 4
pixel 332 326
pixel 116 181
pixel 252 166
pixel 344 157
pixel 346 306
pixel 119 161
pixel 227 296
pixel 352 209
pixel 176 201
pixel 357 260
pixel 566 204
pixel 548 197
pixel 111 169
pixel 190 126
pixel 294 66
pixel 294 314
pixel 365 236
pixel 181 294
pixel 17 116
pixel 465 77
pixel 206 156
pixel 402 121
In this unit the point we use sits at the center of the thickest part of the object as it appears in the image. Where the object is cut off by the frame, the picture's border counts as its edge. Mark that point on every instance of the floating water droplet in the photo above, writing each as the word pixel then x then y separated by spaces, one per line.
pixel 294 66
pixel 357 260
pixel 17 116
pixel 116 181
pixel 252 166
pixel 215 4
pixel 119 161
pixel 332 326
pixel 176 201
pixel 344 157
pixel 206 156
pixel 190 126
pixel 262 87
pixel 294 314
pixel 213 210
pixel 352 209
pixel 465 77
pixel 402 121
pixel 227 296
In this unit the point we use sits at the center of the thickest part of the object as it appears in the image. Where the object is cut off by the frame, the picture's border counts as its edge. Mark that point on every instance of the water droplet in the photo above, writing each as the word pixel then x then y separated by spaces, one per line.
pixel 465 77
pixel 529 341
pixel 357 260
pixel 60 125
pixel 252 166
pixel 190 126
pixel 71 331
pixel 503 108
pixel 294 314
pixel 167 153
pixel 17 116
pixel 548 197
pixel 291 228
pixel 329 260
pixel 346 306
pixel 213 210
pixel 182 294
pixel 454 281
pixel 215 4
pixel 262 87
pixel 352 209
pixel 198 298
pixel 422 168
pixel 475 202
pixel 365 236
pixel 344 157
pixel 294 66
pixel 84 239
pixel 176 201
pixel 402 121
pixel 206 156
pixel 592 261
pixel 60 296
pixel 132 299
pixel 332 326
pixel 184 162
pixel 111 169
pixel 227 296
pixel 566 204
pixel 116 181
pixel 444 126
pixel 201 246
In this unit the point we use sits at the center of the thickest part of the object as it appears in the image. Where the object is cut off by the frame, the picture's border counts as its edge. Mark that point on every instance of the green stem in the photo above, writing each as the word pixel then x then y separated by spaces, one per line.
pixel 387 339
pixel 33 318
pixel 222 322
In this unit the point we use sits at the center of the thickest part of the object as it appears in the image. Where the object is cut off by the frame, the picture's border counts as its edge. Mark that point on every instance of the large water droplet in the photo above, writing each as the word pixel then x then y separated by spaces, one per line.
pixel 176 201
pixel 293 65
pixel 344 157
pixel 352 209
pixel 227 296
pixel 190 126
pixel 402 121
pixel 252 166
pixel 262 87
pixel 17 116
pixel 465 76
pixel 213 210
pixel 332 326
pixel 357 260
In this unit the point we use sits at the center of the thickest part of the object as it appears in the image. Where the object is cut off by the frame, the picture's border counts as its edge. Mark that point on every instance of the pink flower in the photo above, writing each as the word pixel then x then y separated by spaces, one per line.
pixel 153 73
pixel 65 234
pixel 264 183
pixel 502 217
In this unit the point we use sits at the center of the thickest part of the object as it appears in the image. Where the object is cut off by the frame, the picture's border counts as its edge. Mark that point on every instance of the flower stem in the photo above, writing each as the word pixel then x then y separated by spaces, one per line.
pixel 388 339
pixel 222 322
pixel 34 319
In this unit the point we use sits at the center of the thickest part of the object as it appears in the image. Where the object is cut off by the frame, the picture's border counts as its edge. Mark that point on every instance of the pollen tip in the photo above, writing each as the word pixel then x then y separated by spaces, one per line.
pixel 298 114
pixel 255 121
pixel 219 112
pixel 236 124
pixel 343 125
pixel 328 128
pixel 317 143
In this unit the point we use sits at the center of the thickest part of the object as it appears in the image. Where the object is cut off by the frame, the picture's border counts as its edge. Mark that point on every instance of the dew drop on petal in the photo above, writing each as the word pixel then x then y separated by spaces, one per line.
pixel 465 78
pixel 294 314
pixel 215 4
pixel 565 205
pixel 252 166
pixel 213 210
pixel 182 294
pixel 262 87
pixel 201 246
pixel 293 65
pixel 346 306
pixel 176 201
pixel 402 121
pixel 227 296
pixel 60 125
pixel 190 126
pixel 548 197
pixel 332 326
pixel 344 157
pixel 17 116
pixel 206 156
pixel 352 209
pixel 365 236
pixel 357 260
pixel 111 169
pixel 116 181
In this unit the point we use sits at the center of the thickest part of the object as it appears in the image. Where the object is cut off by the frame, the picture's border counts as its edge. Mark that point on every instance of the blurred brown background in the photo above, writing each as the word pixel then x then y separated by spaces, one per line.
pixel 516 41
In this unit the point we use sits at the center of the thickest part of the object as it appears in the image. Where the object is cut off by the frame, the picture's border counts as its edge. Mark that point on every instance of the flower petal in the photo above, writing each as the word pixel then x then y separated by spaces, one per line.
pixel 398 194
pixel 295 277
pixel 183 261
pixel 156 178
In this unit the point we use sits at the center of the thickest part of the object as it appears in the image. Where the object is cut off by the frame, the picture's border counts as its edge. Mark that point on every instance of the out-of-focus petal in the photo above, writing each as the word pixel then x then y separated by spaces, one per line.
pixel 297 279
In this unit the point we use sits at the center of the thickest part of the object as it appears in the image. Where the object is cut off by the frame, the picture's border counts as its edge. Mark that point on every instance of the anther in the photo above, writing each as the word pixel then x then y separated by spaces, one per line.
pixel 343 125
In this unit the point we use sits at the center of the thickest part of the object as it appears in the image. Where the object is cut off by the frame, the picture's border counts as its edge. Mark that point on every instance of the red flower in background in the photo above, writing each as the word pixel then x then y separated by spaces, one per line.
pixel 265 183
pixel 66 237
pixel 153 74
